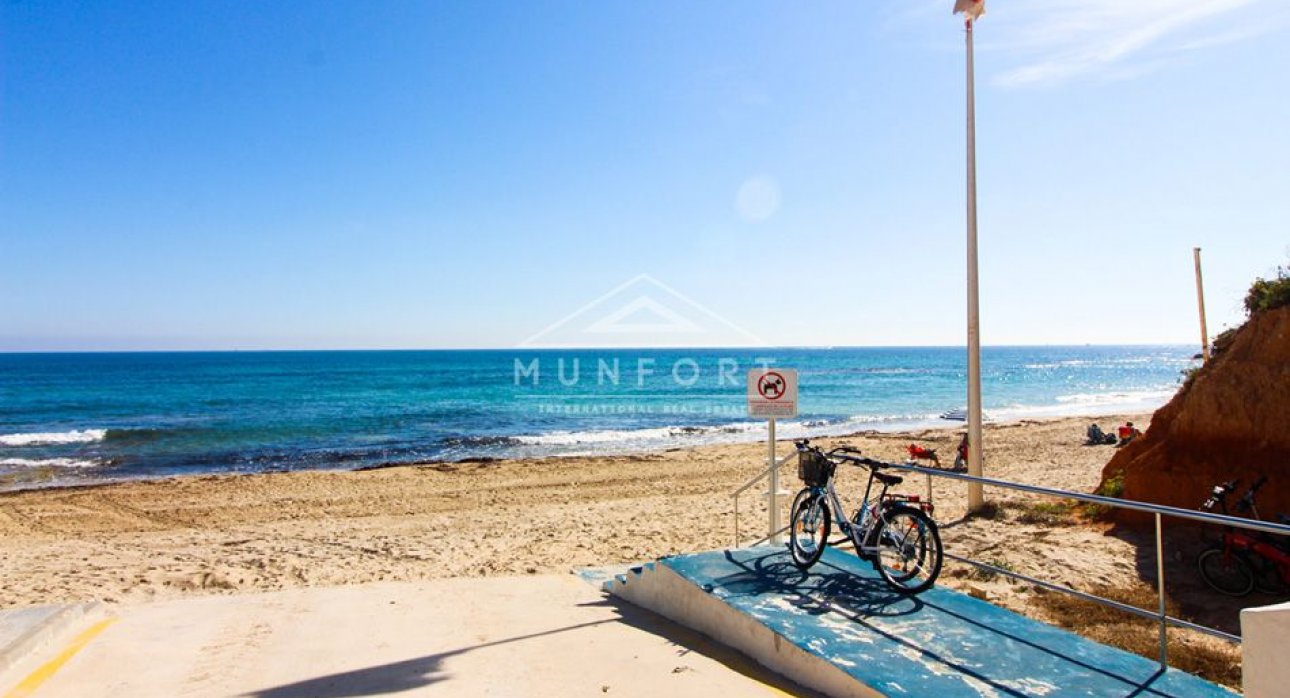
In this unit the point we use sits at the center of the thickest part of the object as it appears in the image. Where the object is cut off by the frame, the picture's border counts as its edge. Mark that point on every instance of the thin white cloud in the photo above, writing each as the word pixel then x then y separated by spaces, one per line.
pixel 1233 36
pixel 1059 40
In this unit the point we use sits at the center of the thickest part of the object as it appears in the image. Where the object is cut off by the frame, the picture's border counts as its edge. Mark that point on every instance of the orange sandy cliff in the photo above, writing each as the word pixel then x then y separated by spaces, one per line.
pixel 1231 420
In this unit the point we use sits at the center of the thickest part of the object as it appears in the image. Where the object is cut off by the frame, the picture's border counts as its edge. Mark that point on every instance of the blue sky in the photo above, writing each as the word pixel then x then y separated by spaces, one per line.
pixel 442 174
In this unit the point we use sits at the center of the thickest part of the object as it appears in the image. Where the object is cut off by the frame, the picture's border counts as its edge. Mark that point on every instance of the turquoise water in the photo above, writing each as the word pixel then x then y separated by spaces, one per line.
pixel 71 418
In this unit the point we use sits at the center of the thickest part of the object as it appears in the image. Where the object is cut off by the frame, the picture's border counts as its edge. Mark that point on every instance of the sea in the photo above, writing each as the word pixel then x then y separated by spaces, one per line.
pixel 78 418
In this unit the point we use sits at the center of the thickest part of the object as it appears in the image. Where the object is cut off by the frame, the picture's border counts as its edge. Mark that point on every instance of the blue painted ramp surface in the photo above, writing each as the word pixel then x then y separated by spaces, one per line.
pixel 939 643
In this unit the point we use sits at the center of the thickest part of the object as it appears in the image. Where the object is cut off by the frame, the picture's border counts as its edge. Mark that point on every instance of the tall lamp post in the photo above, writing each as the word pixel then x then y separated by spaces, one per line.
pixel 972 11
pixel 1200 300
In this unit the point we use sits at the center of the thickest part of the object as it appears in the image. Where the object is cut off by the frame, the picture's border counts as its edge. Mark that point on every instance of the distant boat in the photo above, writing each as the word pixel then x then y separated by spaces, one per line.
pixel 959 414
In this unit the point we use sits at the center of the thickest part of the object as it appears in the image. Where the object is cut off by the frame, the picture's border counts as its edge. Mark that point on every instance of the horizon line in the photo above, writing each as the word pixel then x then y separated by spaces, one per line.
pixel 823 347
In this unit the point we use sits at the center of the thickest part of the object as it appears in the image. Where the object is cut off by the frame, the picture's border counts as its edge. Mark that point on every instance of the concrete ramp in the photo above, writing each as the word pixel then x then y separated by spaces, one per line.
pixel 841 630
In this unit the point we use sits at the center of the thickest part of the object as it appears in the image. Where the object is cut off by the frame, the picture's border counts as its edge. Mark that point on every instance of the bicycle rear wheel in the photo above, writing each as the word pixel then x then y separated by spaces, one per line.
pixel 909 554
pixel 1227 572
pixel 808 528
pixel 1267 576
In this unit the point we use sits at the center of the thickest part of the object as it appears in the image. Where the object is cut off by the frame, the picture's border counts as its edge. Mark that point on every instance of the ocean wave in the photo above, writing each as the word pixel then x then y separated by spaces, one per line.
pixel 877 371
pixel 1105 363
pixel 1088 404
pixel 49 463
pixel 76 436
pixel 133 435
pixel 477 441
pixel 719 433
pixel 604 436
pixel 1115 398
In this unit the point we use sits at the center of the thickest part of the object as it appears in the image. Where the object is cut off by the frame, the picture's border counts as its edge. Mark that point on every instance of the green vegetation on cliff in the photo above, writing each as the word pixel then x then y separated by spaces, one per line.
pixel 1268 294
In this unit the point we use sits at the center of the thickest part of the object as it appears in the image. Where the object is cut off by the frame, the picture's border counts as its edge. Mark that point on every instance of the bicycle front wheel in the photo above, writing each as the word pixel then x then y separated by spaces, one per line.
pixel 909 550
pixel 808 528
pixel 1227 572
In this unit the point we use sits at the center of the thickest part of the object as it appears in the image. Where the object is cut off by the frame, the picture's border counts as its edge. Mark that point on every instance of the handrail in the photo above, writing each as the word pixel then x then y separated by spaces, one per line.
pixel 764 539
pixel 1134 610
pixel 765 473
pixel 1157 510
pixel 756 479
pixel 1206 517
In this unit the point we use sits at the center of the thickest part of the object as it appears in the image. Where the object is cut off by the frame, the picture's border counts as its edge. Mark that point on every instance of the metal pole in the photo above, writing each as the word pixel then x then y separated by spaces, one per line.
pixel 772 495
pixel 976 496
pixel 1200 299
pixel 1160 590
pixel 736 521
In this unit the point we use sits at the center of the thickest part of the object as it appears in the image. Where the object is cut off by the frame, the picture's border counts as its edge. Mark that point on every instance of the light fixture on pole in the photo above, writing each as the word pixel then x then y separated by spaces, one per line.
pixel 972 11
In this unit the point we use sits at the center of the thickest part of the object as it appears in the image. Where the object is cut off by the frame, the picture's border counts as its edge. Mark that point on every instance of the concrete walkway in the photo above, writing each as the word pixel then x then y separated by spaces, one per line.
pixel 530 636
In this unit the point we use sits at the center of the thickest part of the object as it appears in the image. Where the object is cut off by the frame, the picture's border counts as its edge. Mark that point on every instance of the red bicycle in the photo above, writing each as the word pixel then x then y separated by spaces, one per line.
pixel 1244 560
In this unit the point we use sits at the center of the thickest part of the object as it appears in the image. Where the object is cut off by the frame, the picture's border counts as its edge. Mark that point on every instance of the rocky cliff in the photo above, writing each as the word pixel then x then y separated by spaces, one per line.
pixel 1232 419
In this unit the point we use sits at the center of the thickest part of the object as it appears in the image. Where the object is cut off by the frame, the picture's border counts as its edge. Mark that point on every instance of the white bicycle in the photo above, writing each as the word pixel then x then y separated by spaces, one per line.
pixel 895 532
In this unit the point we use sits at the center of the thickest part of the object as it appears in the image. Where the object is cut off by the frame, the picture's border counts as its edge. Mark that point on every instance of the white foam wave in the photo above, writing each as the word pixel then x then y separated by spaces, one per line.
pixel 1115 398
pixel 76 436
pixel 48 463
pixel 1109 362
pixel 626 440
pixel 729 432
pixel 609 436
pixel 1089 404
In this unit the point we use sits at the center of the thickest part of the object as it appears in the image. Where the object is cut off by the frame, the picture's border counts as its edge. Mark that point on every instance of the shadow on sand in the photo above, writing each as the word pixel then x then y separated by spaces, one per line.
pixel 425 671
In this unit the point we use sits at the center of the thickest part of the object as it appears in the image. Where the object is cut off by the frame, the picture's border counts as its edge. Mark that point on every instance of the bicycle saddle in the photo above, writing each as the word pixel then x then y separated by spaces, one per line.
pixel 888 480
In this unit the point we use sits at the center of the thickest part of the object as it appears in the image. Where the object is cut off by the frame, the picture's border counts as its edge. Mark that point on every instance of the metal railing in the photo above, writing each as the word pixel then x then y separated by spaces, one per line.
pixel 756 479
pixel 1157 510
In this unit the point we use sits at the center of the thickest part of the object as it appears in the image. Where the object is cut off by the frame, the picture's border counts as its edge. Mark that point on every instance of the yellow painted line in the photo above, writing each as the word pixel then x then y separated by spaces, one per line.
pixel 776 690
pixel 48 669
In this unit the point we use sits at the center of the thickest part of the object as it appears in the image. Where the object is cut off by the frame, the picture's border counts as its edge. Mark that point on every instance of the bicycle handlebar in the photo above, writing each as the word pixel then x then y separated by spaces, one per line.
pixel 847 457
pixel 1220 492
pixel 1246 503
pixel 846 454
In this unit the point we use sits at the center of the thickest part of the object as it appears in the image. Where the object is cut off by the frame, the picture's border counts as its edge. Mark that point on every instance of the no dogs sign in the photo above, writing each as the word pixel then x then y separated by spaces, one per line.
pixel 772 392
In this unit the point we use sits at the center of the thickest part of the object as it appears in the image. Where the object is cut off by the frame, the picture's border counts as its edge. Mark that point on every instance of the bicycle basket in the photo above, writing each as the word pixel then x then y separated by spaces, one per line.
pixel 814 468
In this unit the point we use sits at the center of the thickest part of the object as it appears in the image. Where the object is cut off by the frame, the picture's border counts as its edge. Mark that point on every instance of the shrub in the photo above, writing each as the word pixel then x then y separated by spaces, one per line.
pixel 1111 487
pixel 1222 341
pixel 1114 485
pixel 1266 294
pixel 1047 514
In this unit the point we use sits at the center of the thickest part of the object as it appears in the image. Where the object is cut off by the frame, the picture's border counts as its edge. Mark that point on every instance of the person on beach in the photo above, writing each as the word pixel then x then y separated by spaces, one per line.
pixel 917 452
pixel 961 457
pixel 1097 437
pixel 1127 433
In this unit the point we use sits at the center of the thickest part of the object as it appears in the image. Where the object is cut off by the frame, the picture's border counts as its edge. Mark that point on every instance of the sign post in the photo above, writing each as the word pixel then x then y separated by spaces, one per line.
pixel 772 393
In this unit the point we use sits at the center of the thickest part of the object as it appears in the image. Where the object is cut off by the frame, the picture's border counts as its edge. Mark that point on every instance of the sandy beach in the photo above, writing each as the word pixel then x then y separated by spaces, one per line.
pixel 133 542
